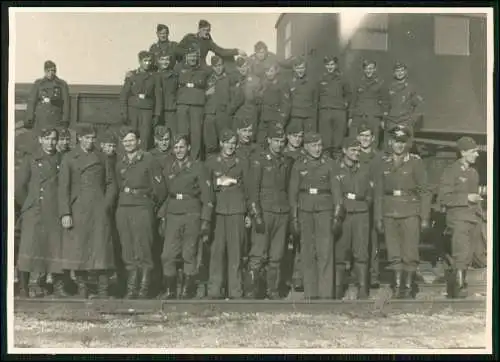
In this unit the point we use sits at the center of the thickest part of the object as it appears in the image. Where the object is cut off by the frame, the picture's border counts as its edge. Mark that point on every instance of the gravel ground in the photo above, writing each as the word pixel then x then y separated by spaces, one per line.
pixel 259 330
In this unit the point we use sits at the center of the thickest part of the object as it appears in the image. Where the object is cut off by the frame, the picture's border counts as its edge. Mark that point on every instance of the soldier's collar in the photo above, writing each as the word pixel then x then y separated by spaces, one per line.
pixel 406 157
pixel 464 165
pixel 138 156
pixel 354 166
pixel 40 153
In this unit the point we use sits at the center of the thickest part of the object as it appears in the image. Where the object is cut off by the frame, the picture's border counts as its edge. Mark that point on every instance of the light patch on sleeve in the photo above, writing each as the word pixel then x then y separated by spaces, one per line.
pixel 158 179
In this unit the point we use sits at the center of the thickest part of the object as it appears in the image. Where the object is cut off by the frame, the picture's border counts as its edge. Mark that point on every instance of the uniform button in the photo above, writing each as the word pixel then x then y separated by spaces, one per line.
pixel 41 189
pixel 41 197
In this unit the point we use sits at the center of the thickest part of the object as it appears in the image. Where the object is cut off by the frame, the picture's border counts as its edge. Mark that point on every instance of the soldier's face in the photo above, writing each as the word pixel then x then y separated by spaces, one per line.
pixel 366 139
pixel 192 59
pixel 219 68
pixel 108 148
pixel 315 149
pixel 245 134
pixel 300 70
pixel 228 147
pixel 163 143
pixel 271 73
pixel 181 149
pixel 204 32
pixel 164 62
pixel 87 141
pixel 261 54
pixel 162 35
pixel 48 142
pixel 50 73
pixel 331 66
pixel 400 73
pixel 352 153
pixel 145 63
pixel 276 145
pixel 369 70
pixel 130 143
pixel 470 156
pixel 398 147
pixel 295 139
pixel 63 143
pixel 243 69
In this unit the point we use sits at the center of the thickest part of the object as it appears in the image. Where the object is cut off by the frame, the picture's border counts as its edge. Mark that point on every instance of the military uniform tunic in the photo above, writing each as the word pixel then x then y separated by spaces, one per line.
pixel 36 191
pixel 402 199
pixel 141 192
pixel 304 96
pixel 314 190
pixel 170 47
pixel 87 190
pixel 216 110
pixel 462 216
pixel 274 100
pixel 141 98
pixel 404 105
pixel 169 82
pixel 244 99
pixel 229 234
pixel 49 103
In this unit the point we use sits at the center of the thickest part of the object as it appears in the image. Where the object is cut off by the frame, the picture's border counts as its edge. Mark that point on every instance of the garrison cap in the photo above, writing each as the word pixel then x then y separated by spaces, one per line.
pixel 193 48
pixel 363 127
pixel 161 131
pixel 241 61
pixel 276 131
pixel 466 143
pixel 294 127
pixel 349 142
pixel 330 58
pixel 143 54
pixel 241 123
pixel 312 137
pixel 44 132
pixel 126 130
pixel 181 137
pixel 49 64
pixel 63 132
pixel 216 60
pixel 260 45
pixel 203 24
pixel 161 27
pixel 165 53
pixel 227 134
pixel 109 137
pixel 367 62
pixel 399 65
pixel 83 129
pixel 400 133
pixel 299 61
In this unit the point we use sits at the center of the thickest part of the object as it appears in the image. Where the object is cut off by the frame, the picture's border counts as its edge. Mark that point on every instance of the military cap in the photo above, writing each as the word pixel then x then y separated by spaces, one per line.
pixel 49 64
pixel 368 62
pixel 161 27
pixel 349 142
pixel 181 137
pixel 399 65
pixel 161 131
pixel 466 143
pixel 260 45
pixel 330 58
pixel 143 54
pixel 193 48
pixel 216 60
pixel 312 137
pixel 126 130
pixel 83 129
pixel 44 132
pixel 164 53
pixel 203 24
pixel 240 61
pixel 276 131
pixel 400 133
pixel 226 135
pixel 241 123
pixel 109 137
pixel 294 127
pixel 363 127
pixel 299 61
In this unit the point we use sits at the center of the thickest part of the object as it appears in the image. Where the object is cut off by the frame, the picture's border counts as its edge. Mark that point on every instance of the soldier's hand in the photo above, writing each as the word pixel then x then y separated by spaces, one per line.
pixel 349 122
pixel 226 181
pixel 205 228
pixel 424 225
pixel 474 198
pixel 259 225
pixel 248 222
pixel 380 226
pixel 210 91
pixel 67 221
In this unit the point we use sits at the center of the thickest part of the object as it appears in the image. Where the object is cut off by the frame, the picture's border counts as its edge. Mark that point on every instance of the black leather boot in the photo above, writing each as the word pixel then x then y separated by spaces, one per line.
pixel 397 284
pixel 145 283
pixel 189 287
pixel 169 288
pixel 24 281
pixel 102 286
pixel 362 277
pixel 59 286
pixel 132 276
pixel 81 284
pixel 272 278
pixel 407 290
pixel 461 290
pixel 339 281
pixel 252 284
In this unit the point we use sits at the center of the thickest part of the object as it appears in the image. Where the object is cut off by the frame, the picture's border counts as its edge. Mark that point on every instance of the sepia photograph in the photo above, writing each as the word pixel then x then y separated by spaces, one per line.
pixel 250 180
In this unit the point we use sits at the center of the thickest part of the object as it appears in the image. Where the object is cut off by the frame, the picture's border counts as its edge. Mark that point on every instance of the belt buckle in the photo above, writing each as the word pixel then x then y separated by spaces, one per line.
pixel 190 85
pixel 397 193
pixel 46 100
pixel 127 190
pixel 313 191
pixel 179 196
pixel 351 196
pixel 141 96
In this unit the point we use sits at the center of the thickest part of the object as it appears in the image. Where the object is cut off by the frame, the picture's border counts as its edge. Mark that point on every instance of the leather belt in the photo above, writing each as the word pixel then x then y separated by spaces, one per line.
pixel 399 193
pixel 315 191
pixel 132 191
pixel 352 196
pixel 181 196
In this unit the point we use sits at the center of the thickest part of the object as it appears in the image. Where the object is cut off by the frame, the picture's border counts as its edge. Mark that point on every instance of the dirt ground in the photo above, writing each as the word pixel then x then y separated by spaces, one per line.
pixel 259 330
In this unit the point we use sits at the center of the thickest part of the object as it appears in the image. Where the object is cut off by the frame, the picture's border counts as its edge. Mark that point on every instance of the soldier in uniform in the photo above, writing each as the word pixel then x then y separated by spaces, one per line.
pixel 274 102
pixel 188 213
pixel 203 41
pixel 64 141
pixel 244 128
pixel 169 82
pixel 141 100
pixel 191 100
pixel 367 101
pixel 36 192
pixel 404 103
pixel 357 187
pixel 334 97
pixel 270 211
pixel 162 151
pixel 108 145
pixel 141 192
pixel 261 60
pixel 163 45
pixel 402 208
pixel 230 175
pixel 49 101
pixel 304 95
pixel 216 108
pixel 459 194
pixel 316 210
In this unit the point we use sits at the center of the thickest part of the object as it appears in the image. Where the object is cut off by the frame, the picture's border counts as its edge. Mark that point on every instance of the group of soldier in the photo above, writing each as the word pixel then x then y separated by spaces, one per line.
pixel 234 182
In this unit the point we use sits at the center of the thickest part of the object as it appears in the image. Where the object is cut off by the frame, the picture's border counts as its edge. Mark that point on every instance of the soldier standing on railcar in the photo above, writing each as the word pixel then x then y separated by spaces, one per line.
pixel 87 190
pixel 231 183
pixel 169 82
pixel 357 187
pixel 404 103
pixel 274 100
pixel 402 208
pixel 368 100
pixel 191 100
pixel 459 194
pixel 163 45
pixel 270 210
pixel 188 213
pixel 141 100
pixel 317 212
pixel 36 193
pixel 49 101
pixel 216 108
pixel 141 192
pixel 334 98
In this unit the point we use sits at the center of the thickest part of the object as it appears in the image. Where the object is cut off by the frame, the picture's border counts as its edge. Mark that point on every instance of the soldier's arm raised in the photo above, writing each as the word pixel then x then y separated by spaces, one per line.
pixel 222 52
